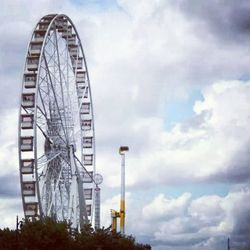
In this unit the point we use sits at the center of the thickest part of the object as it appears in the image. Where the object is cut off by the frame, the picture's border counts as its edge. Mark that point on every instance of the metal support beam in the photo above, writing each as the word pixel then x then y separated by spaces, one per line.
pixel 114 216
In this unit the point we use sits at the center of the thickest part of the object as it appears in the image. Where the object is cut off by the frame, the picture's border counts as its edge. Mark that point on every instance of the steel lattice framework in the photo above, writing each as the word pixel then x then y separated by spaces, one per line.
pixel 56 126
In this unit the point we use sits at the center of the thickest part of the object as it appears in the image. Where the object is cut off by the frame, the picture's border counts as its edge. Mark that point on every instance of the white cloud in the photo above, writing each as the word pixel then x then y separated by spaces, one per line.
pixel 9 139
pixel 194 151
pixel 201 222
pixel 9 209
pixel 162 208
pixel 186 222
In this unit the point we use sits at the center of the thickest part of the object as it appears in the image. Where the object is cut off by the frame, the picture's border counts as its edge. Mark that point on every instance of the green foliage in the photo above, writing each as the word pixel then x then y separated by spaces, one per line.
pixel 50 234
pixel 8 239
pixel 45 234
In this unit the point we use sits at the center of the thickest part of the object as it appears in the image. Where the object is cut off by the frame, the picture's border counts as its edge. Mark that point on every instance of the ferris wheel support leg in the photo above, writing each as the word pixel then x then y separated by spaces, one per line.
pixel 79 185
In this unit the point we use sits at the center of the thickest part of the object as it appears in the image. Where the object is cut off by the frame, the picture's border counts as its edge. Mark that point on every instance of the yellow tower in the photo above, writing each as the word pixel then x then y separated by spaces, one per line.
pixel 121 214
pixel 122 151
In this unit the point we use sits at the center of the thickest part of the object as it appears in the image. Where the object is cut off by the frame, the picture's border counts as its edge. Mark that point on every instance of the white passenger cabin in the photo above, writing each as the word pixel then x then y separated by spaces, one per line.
pixel 88 177
pixel 88 159
pixel 61 24
pixel 39 36
pixel 43 25
pixel 26 143
pixel 30 80
pixel 28 188
pixel 32 63
pixel 27 166
pixel 72 41
pixel 86 125
pixel 82 91
pixel 77 63
pixel 28 100
pixel 30 209
pixel 67 32
pixel 27 121
pixel 88 193
pixel 73 51
pixel 87 142
pixel 80 76
pixel 35 48
pixel 85 108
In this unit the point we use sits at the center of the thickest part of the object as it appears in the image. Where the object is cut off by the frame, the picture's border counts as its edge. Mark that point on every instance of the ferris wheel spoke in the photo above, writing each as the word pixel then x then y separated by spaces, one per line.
pixel 60 80
pixel 66 172
pixel 55 97
pixel 43 111
pixel 43 132
pixel 71 205
pixel 53 44
pixel 44 96
pixel 47 137
pixel 42 115
pixel 46 158
pixel 51 60
pixel 49 40
pixel 56 54
pixel 85 170
pixel 61 201
pixel 66 183
pixel 54 190
pixel 54 76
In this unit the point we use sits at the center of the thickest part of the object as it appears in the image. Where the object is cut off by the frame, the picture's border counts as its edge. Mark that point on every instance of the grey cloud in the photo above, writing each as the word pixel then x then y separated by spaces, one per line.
pixel 181 243
pixel 198 230
pixel 12 54
pixel 240 235
pixel 237 170
pixel 226 19
pixel 9 186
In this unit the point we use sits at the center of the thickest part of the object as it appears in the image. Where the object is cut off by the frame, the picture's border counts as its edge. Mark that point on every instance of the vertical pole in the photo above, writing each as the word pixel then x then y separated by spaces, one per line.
pixel 122 202
pixel 97 207
pixel 122 151
pixel 17 223
pixel 17 231
pixel 228 244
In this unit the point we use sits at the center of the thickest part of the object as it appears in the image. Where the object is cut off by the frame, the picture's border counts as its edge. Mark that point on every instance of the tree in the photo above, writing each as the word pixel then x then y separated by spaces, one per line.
pixel 8 239
pixel 47 234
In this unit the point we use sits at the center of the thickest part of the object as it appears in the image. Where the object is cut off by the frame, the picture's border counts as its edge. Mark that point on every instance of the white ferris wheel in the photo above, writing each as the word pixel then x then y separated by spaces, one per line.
pixel 56 127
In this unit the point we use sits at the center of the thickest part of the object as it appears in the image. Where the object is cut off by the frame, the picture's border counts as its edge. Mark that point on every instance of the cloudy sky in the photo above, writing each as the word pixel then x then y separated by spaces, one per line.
pixel 170 79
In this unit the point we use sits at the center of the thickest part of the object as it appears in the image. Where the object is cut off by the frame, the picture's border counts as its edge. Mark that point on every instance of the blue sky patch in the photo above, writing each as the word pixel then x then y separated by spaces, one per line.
pixel 197 190
pixel 98 4
pixel 245 78
pixel 179 110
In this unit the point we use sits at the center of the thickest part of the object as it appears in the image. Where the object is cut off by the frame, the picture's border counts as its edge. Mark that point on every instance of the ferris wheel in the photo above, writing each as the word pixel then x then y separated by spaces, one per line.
pixel 56 126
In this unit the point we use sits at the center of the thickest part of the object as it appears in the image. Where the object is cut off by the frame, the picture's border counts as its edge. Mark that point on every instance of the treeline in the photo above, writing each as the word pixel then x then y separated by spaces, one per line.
pixel 50 234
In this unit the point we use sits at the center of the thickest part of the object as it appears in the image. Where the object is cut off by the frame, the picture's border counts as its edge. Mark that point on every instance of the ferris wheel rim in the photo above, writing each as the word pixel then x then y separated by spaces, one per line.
pixel 55 17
